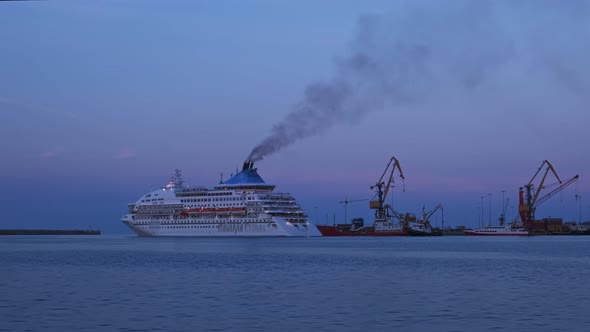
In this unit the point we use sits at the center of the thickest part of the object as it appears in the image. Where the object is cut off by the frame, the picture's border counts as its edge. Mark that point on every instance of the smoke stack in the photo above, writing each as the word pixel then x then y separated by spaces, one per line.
pixel 248 165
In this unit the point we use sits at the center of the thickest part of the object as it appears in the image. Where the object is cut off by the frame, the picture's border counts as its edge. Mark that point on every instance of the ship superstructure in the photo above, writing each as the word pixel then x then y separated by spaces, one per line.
pixel 244 205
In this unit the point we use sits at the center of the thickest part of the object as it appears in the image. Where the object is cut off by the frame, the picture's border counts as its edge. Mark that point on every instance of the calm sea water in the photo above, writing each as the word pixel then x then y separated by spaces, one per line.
pixel 120 283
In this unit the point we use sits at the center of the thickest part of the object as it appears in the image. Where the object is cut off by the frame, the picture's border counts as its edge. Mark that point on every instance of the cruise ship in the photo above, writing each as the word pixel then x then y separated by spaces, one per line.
pixel 244 205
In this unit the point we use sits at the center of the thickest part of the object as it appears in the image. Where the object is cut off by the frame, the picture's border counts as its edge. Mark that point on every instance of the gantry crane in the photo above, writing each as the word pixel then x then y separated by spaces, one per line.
pixel 381 212
pixel 529 201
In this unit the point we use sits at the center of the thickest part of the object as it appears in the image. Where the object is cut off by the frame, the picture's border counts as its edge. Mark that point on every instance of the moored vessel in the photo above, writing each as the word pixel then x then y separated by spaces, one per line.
pixel 422 226
pixel 422 229
pixel 503 228
pixel 507 230
pixel 357 228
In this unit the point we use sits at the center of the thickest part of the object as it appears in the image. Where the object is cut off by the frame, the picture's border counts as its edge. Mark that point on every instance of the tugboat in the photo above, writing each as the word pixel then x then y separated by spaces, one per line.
pixel 422 226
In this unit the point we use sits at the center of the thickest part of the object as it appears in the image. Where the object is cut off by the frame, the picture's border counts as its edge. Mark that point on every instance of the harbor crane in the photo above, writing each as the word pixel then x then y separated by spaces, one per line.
pixel 346 202
pixel 528 196
pixel 381 210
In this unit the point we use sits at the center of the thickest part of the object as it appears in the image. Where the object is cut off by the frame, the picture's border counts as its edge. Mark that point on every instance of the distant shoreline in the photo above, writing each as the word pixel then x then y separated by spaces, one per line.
pixel 49 232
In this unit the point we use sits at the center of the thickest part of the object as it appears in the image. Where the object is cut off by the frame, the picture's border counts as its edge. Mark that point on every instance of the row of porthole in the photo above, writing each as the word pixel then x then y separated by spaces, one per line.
pixel 224 199
pixel 190 226
pixel 236 222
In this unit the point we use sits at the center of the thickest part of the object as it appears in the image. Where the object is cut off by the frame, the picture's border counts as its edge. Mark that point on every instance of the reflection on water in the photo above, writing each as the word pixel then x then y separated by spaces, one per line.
pixel 123 283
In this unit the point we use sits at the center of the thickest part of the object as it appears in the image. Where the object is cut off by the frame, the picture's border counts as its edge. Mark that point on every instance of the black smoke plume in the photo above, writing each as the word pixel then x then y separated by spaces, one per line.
pixel 422 47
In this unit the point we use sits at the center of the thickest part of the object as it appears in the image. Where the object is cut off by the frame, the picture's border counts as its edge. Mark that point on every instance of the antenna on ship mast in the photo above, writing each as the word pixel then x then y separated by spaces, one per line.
pixel 178 178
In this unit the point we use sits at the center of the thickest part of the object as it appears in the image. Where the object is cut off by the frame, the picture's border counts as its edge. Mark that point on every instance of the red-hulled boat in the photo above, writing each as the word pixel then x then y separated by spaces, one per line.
pixel 357 228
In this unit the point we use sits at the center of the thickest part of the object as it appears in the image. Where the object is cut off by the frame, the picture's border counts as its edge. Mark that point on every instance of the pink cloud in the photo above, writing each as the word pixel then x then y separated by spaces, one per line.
pixel 125 153
pixel 52 153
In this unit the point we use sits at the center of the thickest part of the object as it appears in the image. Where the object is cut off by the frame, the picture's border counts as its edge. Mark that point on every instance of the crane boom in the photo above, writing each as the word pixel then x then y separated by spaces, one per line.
pixel 380 184
pixel 426 215
pixel 390 180
pixel 556 190
pixel 385 170
pixel 549 168
pixel 431 212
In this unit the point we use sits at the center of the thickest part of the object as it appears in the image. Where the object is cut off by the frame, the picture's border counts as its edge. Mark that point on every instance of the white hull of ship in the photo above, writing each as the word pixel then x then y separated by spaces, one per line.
pixel 222 228
pixel 497 231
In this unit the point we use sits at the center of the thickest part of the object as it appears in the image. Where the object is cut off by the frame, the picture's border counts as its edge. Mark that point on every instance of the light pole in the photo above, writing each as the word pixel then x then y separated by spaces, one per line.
pixel 580 197
pixel 481 212
pixel 503 217
pixel 345 212
pixel 477 213
pixel 315 208
pixel 490 209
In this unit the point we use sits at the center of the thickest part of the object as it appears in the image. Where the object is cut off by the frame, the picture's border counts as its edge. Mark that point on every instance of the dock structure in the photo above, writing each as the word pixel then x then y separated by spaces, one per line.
pixel 49 232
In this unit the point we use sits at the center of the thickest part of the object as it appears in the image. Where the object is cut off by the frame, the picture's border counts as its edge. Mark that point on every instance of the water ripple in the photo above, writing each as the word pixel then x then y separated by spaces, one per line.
pixel 404 284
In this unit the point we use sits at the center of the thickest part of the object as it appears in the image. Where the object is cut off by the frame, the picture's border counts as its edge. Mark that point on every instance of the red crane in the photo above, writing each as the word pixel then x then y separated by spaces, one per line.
pixel 527 208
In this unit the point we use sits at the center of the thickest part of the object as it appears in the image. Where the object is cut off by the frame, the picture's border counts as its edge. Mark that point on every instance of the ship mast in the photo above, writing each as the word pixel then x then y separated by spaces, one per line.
pixel 177 178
